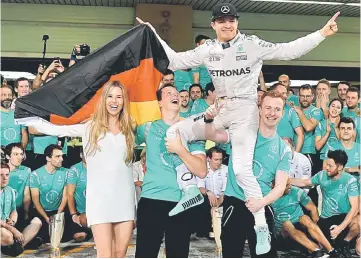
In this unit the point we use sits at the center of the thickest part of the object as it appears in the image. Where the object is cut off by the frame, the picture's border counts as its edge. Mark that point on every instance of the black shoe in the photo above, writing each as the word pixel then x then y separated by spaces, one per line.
pixel 334 254
pixel 344 250
pixel 34 244
pixel 317 254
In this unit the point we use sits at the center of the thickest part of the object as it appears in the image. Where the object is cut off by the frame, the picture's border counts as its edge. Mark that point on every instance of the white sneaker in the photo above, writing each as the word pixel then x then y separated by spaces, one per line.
pixel 211 234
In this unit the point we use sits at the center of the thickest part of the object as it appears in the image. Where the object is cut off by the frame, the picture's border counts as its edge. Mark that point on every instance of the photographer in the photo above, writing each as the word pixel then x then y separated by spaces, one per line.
pixel 42 77
pixel 78 51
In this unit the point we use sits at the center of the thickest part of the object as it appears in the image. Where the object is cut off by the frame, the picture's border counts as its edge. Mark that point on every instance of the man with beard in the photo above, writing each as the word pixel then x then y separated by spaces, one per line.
pixel 9 131
pixel 290 125
pixel 292 223
pixel 48 189
pixel 342 88
pixel 340 198
pixel 185 108
pixel 352 109
pixel 309 116
pixel 201 105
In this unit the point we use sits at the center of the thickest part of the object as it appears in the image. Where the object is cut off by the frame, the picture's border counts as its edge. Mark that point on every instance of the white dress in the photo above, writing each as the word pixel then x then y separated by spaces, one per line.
pixel 110 192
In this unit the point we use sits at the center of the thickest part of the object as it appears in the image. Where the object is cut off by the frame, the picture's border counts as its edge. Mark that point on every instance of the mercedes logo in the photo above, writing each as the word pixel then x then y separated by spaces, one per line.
pixel 225 9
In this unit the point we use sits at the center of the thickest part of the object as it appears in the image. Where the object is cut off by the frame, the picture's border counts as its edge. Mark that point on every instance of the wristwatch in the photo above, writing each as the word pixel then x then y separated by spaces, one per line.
pixel 208 120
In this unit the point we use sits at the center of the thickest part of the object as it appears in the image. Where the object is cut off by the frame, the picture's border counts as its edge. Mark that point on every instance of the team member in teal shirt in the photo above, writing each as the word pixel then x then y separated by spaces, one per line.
pixel 293 99
pixel 200 74
pixel 76 192
pixel 160 189
pixel 325 134
pixel 347 144
pixel 340 198
pixel 9 131
pixel 19 181
pixel 291 222
pixel 12 240
pixel 185 108
pixel 290 124
pixel 183 79
pixel 195 92
pixel 310 116
pixel 201 105
pixel 352 109
pixel 272 161
pixel 48 188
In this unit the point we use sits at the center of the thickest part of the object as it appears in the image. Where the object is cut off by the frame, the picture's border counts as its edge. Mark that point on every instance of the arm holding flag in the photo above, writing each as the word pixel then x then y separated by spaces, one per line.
pixel 181 60
pixel 41 126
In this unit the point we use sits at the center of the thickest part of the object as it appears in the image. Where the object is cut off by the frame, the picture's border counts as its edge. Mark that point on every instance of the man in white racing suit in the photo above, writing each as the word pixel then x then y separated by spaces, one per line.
pixel 234 61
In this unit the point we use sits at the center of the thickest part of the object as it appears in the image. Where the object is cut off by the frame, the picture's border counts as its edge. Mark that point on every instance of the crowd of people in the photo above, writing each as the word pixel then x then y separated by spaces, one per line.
pixel 283 166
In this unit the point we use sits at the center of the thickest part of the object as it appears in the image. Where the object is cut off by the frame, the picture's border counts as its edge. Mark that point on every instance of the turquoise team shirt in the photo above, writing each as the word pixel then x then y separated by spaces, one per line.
pixel 9 131
pixel 185 114
pixel 309 143
pixel 270 155
pixel 160 180
pixel 332 138
pixel 288 207
pixel 293 99
pixel 204 77
pixel 183 80
pixel 288 123
pixel 77 175
pixel 199 106
pixel 356 118
pixel 8 202
pixel 41 142
pixel 50 186
pixel 30 145
pixel 336 193
pixel 19 180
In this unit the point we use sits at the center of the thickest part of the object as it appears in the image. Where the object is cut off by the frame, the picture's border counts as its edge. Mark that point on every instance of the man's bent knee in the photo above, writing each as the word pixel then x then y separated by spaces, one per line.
pixel 6 237
pixel 36 221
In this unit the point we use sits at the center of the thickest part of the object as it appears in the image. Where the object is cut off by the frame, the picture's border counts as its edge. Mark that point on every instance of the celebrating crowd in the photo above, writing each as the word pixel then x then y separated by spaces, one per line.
pixel 283 167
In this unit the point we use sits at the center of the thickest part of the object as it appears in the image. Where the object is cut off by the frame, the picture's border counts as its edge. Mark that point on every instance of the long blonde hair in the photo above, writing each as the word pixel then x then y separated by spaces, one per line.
pixel 100 123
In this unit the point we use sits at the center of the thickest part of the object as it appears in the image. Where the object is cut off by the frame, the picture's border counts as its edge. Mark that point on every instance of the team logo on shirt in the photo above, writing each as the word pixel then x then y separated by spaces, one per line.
pixel 233 72
pixel 240 48
pixel 283 216
pixel 52 196
pixel 10 134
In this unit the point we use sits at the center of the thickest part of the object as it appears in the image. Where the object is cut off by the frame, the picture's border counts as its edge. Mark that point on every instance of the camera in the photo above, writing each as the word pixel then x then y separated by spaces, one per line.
pixel 84 50
pixel 45 37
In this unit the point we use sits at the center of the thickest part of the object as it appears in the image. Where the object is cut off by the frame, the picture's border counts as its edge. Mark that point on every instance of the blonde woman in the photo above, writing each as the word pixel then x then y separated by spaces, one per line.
pixel 108 147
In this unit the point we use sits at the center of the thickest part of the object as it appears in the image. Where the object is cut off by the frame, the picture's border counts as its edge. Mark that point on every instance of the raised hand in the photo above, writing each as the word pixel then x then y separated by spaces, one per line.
pixel 331 27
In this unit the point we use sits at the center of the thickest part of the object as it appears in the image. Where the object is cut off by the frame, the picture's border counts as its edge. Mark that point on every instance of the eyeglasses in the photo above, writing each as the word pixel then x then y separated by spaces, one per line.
pixel 306 96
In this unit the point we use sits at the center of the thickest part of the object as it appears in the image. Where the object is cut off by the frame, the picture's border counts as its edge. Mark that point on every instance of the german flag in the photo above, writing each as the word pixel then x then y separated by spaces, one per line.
pixel 136 59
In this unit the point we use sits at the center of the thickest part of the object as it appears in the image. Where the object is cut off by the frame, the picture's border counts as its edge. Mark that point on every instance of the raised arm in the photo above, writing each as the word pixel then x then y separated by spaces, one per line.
pixel 296 48
pixel 180 60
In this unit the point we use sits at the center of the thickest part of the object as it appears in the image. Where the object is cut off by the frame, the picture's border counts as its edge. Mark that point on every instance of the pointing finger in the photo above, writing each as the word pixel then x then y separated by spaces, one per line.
pixel 335 16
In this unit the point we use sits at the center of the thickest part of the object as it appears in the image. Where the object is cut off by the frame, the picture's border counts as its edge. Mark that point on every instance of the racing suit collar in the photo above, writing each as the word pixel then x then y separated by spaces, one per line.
pixel 226 45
